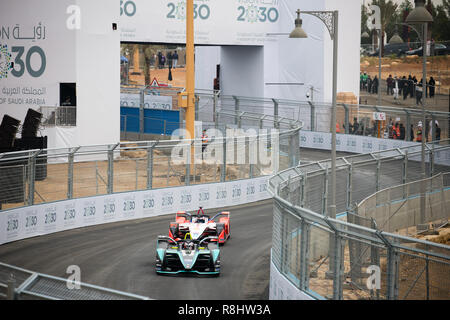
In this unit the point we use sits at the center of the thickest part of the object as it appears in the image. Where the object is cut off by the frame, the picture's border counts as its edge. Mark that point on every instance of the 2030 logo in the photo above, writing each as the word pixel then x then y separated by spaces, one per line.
pixel 252 13
pixel 6 65
pixel 127 7
pixel 178 11
pixel 5 61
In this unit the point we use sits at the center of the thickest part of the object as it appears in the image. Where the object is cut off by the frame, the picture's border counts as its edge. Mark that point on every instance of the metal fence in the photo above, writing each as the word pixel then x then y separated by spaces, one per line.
pixel 316 116
pixel 58 116
pixel 20 284
pixel 398 209
pixel 39 176
pixel 337 259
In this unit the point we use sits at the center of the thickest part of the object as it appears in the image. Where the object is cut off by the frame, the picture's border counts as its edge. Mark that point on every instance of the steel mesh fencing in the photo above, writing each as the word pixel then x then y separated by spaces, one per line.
pixel 362 257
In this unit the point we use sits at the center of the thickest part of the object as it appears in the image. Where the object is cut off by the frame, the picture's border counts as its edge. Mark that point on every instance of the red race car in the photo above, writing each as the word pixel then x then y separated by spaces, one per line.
pixel 200 226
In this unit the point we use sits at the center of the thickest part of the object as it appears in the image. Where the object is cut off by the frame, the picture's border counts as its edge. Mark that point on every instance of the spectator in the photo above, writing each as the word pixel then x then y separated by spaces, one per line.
pixel 402 132
pixel 175 59
pixel 432 85
pixel 354 128
pixel 419 132
pixel 411 133
pixel 419 93
pixel 390 82
pixel 375 85
pixel 438 133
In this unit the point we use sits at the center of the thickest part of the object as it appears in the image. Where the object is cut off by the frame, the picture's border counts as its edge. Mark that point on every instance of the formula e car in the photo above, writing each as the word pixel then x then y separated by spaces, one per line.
pixel 200 225
pixel 200 257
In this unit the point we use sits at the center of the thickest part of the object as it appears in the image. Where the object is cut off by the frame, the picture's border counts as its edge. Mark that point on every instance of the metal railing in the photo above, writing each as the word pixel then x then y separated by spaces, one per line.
pixel 58 116
pixel 397 209
pixel 39 176
pixel 21 284
pixel 334 258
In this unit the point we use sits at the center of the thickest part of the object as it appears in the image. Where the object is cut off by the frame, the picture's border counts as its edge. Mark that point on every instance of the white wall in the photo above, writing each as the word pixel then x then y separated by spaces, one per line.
pixel 98 73
pixel 206 60
pixel 242 71
pixel 349 39
pixel 88 56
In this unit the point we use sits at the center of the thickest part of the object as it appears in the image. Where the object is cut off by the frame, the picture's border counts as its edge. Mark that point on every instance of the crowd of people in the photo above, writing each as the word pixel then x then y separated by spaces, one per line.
pixel 162 61
pixel 395 130
pixel 400 86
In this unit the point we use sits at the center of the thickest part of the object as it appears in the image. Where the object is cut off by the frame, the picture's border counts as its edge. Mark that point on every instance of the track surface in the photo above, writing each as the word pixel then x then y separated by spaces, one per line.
pixel 121 255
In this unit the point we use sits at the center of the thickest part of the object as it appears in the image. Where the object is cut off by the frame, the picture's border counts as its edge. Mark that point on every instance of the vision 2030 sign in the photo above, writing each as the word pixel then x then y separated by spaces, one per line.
pixel 37 50
pixel 216 21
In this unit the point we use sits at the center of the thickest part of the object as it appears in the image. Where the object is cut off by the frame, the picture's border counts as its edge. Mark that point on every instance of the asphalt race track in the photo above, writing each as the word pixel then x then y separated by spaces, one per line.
pixel 121 255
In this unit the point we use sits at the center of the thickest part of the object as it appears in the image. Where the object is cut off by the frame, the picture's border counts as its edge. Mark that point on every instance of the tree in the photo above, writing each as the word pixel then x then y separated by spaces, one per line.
pixel 364 28
pixel 388 17
pixel 441 25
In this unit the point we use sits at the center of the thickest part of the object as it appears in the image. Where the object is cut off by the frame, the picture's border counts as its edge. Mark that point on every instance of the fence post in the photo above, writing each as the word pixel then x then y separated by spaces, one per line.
pixel 111 168
pixel 11 290
pixel 377 187
pixel 349 186
pixel 187 178
pixel 70 173
pixel 236 109
pixel 405 173
pixel 223 173
pixel 150 166
pixel 303 192
pixel 275 113
pixel 335 258
pixel 408 126
pixel 294 147
pixel 141 113
pixel 304 255
pixel 275 143
pixel 312 115
pixel 325 193
pixel 392 268
pixel 32 177
pixel 347 119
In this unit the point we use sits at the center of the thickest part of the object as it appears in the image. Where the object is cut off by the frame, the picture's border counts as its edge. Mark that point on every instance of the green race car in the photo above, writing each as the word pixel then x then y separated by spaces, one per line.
pixel 200 257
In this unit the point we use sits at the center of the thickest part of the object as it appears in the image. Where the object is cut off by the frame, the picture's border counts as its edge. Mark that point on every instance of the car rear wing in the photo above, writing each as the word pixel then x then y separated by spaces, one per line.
pixel 166 239
pixel 225 214
pixel 182 217
pixel 209 239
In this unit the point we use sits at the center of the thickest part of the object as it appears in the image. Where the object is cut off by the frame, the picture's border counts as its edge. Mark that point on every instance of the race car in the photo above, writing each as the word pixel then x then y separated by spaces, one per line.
pixel 200 257
pixel 200 225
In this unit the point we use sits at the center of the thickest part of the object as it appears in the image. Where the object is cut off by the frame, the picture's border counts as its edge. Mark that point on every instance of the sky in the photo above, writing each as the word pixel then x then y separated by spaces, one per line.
pixel 435 2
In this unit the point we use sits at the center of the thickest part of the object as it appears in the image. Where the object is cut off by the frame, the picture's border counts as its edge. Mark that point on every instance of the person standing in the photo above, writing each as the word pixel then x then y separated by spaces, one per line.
pixel 411 133
pixel 369 84
pixel 396 88
pixel 432 85
pixel 419 132
pixel 438 133
pixel 204 141
pixel 406 86
pixel 419 93
pixel 402 132
pixel 389 82
pixel 375 85
pixel 175 59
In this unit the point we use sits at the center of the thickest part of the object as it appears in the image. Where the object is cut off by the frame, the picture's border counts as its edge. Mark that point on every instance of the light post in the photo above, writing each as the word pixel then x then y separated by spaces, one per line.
pixel 330 19
pixel 420 15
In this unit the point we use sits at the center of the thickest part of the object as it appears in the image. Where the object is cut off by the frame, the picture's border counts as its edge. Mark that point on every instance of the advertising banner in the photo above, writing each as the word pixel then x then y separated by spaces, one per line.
pixel 150 101
pixel 22 223
pixel 37 52
pixel 231 22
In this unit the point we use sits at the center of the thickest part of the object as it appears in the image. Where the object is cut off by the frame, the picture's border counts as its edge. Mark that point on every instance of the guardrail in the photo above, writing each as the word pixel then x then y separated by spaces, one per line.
pixel 326 257
pixel 39 176
pixel 397 209
pixel 21 284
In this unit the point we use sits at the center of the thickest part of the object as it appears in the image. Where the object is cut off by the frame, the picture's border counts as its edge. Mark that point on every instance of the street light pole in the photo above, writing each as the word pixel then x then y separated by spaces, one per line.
pixel 420 15
pixel 330 19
